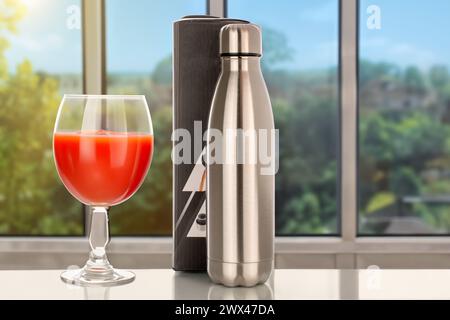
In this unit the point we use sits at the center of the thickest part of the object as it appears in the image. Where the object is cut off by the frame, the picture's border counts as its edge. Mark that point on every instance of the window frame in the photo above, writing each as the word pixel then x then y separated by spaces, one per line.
pixel 348 250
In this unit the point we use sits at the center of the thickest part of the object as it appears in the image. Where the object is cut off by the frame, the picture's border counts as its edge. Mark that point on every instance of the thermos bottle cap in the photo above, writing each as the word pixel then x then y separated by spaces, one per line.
pixel 241 40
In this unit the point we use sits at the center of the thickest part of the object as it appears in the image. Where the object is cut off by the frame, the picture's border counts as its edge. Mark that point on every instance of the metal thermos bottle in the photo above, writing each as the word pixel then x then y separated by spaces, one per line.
pixel 240 198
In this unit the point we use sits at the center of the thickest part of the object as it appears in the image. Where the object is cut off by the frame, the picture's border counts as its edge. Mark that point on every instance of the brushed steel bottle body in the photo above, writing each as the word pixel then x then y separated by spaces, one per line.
pixel 240 199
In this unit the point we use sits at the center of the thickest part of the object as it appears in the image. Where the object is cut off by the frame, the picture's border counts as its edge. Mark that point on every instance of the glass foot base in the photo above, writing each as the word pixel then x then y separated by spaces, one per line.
pixel 80 277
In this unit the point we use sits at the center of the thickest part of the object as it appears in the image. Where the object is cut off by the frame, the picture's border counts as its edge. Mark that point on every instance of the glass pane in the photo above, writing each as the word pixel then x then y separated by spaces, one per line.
pixel 139 50
pixel 404 104
pixel 300 67
pixel 40 59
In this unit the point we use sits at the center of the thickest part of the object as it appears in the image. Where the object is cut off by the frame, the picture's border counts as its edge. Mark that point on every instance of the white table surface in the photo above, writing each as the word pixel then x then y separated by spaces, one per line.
pixel 284 284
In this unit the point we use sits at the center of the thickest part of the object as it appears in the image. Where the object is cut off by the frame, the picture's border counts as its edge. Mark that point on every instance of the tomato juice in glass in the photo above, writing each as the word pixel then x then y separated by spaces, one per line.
pixel 102 168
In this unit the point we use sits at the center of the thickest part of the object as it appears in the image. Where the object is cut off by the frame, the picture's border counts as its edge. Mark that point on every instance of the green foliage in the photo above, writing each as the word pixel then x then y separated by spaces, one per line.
pixel 439 76
pixel 29 188
pixel 306 183
pixel 413 79
pixel 405 182
pixel 275 47
pixel 32 200
pixel 11 11
pixel 162 74
pixel 369 71
pixel 380 201
pixel 405 136
pixel 404 151
pixel 304 215
pixel 149 210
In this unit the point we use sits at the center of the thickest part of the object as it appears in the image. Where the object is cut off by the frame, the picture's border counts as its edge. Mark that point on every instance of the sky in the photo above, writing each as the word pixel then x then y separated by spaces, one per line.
pixel 310 26
pixel 139 32
pixel 413 32
pixel 44 38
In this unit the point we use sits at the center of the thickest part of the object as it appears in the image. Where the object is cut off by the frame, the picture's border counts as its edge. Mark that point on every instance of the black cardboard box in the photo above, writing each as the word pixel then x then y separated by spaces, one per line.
pixel 196 67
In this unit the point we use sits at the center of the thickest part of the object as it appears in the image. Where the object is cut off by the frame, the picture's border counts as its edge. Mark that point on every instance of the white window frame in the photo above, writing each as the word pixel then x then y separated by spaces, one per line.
pixel 344 252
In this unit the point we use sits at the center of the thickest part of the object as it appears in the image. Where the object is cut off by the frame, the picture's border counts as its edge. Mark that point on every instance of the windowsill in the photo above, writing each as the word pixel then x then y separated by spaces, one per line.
pixel 290 253
pixel 129 245
pixel 283 245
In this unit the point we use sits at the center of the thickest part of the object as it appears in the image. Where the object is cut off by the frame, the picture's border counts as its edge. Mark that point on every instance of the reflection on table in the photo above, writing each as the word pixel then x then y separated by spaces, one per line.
pixel 197 286
pixel 297 284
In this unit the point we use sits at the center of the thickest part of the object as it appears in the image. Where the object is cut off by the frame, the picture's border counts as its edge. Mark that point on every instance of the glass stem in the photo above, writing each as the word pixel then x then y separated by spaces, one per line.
pixel 98 264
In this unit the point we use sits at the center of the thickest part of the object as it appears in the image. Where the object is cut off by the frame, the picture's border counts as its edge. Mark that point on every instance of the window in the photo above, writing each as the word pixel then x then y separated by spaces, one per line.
pixel 404 122
pixel 300 66
pixel 40 58
pixel 139 46
pixel 403 131
pixel 301 69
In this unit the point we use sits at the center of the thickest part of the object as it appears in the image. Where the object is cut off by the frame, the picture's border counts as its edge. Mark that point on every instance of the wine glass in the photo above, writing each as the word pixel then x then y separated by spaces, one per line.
pixel 102 146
